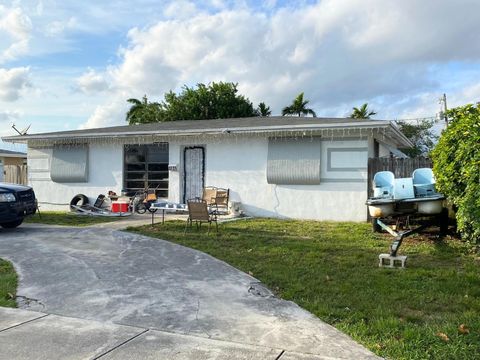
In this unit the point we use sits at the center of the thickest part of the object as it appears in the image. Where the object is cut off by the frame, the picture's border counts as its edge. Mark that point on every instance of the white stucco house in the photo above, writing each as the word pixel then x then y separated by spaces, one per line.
pixel 297 167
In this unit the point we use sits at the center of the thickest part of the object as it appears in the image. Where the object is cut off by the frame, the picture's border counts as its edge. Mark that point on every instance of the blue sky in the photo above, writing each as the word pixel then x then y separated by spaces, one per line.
pixel 70 64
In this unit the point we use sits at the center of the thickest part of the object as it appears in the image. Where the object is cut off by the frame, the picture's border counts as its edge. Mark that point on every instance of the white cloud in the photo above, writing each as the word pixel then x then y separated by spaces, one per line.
pixel 15 33
pixel 92 82
pixel 399 56
pixel 109 114
pixel 180 9
pixel 341 53
pixel 13 82
pixel 8 116
pixel 58 27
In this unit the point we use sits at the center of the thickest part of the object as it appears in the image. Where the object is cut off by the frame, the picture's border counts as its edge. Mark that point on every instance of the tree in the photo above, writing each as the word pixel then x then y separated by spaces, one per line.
pixel 362 112
pixel 143 111
pixel 456 163
pixel 214 101
pixel 263 109
pixel 421 135
pixel 298 107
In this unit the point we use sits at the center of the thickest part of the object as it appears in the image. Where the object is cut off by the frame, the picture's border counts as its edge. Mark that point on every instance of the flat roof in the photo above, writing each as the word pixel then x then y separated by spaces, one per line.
pixel 217 126
pixel 10 153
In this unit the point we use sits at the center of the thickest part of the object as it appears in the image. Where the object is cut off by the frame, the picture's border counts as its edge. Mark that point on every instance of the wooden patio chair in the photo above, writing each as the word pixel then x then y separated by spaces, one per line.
pixel 198 212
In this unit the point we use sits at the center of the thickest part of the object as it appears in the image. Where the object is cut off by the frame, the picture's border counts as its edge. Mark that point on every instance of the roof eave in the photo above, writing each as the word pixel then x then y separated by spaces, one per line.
pixel 403 141
pixel 239 130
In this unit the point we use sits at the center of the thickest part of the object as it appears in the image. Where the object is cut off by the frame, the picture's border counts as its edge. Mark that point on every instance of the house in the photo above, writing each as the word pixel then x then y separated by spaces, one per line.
pixel 298 167
pixel 9 157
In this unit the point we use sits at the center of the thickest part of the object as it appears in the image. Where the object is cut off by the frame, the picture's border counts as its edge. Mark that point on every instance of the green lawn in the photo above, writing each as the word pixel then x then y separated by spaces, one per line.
pixel 69 219
pixel 331 269
pixel 8 284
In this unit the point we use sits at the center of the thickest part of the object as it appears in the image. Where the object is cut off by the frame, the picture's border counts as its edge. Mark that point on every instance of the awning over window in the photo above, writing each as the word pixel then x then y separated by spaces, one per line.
pixel 395 152
pixel 293 161
pixel 69 164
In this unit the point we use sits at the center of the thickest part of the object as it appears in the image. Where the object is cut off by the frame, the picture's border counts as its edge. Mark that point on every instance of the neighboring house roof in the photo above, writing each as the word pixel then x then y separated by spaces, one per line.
pixel 396 153
pixel 10 153
pixel 270 124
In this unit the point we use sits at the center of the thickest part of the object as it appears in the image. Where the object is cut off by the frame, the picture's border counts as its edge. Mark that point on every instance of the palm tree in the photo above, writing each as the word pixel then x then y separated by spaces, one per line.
pixel 143 111
pixel 362 113
pixel 298 107
pixel 263 109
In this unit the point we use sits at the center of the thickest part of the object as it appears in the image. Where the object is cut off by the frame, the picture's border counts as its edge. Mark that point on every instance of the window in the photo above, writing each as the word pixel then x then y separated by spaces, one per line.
pixel 69 164
pixel 293 161
pixel 147 166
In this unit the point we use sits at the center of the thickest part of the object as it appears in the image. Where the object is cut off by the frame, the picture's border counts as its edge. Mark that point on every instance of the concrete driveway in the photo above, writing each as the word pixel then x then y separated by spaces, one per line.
pixel 156 293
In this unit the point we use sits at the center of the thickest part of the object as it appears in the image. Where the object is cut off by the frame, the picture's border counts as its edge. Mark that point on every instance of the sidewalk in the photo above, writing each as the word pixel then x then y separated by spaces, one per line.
pixel 28 334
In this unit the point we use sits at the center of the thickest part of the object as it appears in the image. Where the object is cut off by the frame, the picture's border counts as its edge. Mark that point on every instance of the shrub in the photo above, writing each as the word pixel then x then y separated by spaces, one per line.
pixel 456 160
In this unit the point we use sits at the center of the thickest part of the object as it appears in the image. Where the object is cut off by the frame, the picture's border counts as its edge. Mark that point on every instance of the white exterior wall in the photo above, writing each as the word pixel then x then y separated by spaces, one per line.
pixel 241 166
pixel 238 164
pixel 105 168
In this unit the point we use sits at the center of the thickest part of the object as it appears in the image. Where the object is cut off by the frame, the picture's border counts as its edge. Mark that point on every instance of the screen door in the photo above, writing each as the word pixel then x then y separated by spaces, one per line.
pixel 194 172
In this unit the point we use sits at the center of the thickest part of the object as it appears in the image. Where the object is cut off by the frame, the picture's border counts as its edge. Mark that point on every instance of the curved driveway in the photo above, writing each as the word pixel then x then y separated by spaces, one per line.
pixel 99 273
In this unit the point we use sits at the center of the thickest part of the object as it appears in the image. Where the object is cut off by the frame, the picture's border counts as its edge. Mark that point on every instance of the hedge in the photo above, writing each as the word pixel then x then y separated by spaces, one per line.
pixel 456 160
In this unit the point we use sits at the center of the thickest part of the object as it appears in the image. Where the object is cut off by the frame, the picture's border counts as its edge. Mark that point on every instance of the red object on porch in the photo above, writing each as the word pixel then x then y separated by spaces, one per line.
pixel 119 206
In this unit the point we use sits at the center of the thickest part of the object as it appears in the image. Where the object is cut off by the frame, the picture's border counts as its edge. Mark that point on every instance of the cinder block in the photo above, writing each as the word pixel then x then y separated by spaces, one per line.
pixel 386 260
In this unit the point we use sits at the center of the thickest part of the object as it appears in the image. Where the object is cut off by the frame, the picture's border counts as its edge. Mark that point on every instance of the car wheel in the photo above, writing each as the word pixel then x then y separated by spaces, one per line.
pixel 11 224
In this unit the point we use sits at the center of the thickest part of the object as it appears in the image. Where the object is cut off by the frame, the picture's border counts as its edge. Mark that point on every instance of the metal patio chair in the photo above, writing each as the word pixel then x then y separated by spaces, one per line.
pixel 216 199
pixel 198 212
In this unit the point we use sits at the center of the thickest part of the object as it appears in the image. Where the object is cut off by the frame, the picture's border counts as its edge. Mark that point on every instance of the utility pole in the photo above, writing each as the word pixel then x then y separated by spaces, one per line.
pixel 444 101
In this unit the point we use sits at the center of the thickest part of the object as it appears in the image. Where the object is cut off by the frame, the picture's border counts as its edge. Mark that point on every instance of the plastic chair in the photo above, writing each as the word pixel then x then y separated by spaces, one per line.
pixel 383 183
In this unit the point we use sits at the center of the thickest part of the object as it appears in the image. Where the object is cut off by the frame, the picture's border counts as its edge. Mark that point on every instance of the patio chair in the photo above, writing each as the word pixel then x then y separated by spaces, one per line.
pixel 216 198
pixel 209 195
pixel 221 200
pixel 198 212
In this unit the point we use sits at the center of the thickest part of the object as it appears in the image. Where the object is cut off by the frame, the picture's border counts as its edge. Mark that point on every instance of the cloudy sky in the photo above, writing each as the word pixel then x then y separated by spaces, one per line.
pixel 72 64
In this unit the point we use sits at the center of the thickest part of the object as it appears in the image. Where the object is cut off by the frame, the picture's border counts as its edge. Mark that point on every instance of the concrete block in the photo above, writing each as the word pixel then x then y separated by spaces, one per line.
pixel 386 260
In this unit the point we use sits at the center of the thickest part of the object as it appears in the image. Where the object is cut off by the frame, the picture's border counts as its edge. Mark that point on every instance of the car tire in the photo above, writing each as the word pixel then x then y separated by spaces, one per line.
pixel 11 224
pixel 78 200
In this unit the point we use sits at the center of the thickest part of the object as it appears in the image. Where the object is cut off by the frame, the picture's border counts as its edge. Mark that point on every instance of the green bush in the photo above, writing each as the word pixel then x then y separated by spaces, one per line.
pixel 456 160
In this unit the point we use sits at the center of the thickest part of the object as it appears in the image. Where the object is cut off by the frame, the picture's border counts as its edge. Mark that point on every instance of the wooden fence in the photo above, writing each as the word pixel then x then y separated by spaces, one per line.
pixel 16 174
pixel 402 168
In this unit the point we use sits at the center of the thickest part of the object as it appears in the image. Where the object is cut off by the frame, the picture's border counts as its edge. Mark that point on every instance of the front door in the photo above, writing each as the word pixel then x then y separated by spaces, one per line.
pixel 193 172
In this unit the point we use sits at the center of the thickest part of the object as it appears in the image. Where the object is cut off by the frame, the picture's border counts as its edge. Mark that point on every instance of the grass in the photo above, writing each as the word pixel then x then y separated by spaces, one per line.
pixel 8 284
pixel 68 219
pixel 331 269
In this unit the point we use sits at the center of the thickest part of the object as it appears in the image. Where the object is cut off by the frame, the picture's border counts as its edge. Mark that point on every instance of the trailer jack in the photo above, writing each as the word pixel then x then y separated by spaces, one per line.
pixel 392 260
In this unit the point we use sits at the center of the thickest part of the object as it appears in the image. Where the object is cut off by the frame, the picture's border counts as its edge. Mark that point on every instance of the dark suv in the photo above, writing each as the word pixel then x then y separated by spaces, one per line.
pixel 16 202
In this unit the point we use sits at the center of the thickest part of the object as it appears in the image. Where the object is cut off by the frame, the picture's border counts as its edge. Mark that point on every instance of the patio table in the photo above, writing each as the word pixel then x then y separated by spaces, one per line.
pixel 166 207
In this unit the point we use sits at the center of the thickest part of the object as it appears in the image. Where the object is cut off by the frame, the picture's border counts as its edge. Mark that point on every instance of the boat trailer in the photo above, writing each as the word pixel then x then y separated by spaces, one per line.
pixel 405 197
